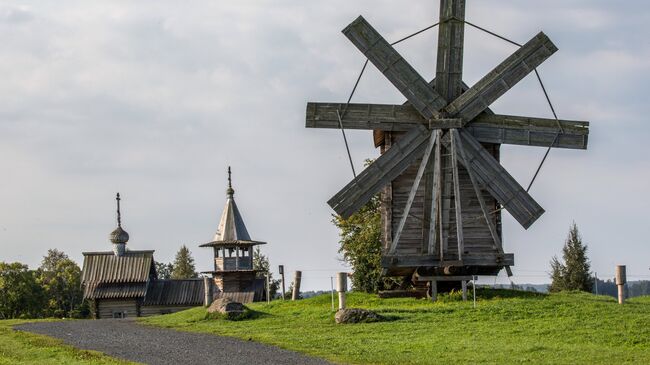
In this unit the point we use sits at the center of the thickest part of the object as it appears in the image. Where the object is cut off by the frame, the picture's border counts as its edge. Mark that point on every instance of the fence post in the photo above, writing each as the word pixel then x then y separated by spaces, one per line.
pixel 620 283
pixel 341 287
pixel 296 285
pixel 207 291
pixel 281 270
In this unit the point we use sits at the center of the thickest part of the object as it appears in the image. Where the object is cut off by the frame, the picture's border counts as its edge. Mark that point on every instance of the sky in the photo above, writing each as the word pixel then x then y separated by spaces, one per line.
pixel 155 99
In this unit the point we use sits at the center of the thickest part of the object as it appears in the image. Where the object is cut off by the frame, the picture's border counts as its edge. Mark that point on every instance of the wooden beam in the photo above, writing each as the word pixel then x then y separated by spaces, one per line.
pixel 372 116
pixel 451 34
pixel 487 128
pixel 385 169
pixel 414 189
pixel 491 226
pixel 506 75
pixel 471 259
pixel 395 68
pixel 457 204
pixel 435 206
pixel 496 180
pixel 512 129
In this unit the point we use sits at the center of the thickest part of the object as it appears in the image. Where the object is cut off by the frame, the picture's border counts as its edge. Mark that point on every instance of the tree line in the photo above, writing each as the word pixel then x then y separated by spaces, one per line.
pixel 54 288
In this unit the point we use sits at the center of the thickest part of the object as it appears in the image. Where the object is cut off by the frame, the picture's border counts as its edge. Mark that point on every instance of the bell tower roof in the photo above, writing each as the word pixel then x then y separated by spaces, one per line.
pixel 231 229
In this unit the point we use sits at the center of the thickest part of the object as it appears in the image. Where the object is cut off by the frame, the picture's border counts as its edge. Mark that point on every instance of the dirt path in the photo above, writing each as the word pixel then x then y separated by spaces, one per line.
pixel 126 339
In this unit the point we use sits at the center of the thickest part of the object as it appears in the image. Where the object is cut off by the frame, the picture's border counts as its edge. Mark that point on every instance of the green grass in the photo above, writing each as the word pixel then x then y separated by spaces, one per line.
pixel 506 327
pixel 18 347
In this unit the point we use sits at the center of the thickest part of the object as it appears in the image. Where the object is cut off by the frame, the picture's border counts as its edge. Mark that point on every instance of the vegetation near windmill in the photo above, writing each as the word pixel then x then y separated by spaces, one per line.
pixel 360 239
pixel 573 273
pixel 183 267
pixel 60 278
pixel 262 265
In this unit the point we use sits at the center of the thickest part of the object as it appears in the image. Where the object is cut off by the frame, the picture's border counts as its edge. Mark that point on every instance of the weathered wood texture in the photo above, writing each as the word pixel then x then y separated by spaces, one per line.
pixel 451 34
pixel 477 237
pixel 471 259
pixel 490 128
pixel 501 185
pixel 385 168
pixel 107 307
pixel 154 310
pixel 523 61
pixel 395 68
pixel 237 281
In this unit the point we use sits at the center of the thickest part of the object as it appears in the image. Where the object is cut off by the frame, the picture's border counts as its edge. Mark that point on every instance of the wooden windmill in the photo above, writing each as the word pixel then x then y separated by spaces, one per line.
pixel 442 185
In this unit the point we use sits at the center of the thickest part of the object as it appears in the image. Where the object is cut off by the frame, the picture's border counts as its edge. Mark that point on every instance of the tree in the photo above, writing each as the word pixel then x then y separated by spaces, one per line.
pixel 184 265
pixel 360 239
pixel 573 273
pixel 163 270
pixel 20 294
pixel 60 278
pixel 263 267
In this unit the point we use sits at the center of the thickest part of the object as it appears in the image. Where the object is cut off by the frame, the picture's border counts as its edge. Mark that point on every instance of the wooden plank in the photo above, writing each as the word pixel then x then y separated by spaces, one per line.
pixel 523 61
pixel 395 68
pixel 451 33
pixel 496 180
pixel 383 117
pixel 435 206
pixel 385 168
pixel 491 226
pixel 486 128
pixel 414 189
pixel 413 261
pixel 527 131
pixel 457 204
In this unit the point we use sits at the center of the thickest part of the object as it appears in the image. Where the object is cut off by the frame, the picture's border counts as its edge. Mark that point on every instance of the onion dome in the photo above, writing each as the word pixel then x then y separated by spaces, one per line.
pixel 119 236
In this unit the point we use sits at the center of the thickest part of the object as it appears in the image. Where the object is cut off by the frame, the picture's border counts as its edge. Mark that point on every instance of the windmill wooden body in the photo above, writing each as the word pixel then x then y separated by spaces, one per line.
pixel 442 185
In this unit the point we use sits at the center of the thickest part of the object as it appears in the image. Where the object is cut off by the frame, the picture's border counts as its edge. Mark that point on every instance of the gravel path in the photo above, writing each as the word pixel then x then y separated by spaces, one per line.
pixel 126 339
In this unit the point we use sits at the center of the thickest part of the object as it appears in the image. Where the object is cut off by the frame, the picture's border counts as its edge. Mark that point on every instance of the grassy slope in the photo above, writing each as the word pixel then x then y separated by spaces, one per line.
pixel 560 328
pixel 18 347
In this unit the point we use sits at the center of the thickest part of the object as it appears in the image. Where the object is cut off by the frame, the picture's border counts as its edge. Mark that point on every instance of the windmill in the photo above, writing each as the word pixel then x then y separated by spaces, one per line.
pixel 443 188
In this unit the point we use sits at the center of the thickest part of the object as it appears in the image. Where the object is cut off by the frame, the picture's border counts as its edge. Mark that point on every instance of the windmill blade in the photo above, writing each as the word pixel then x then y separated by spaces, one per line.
pixel 524 61
pixel 497 181
pixel 383 117
pixel 395 68
pixel 511 129
pixel 385 168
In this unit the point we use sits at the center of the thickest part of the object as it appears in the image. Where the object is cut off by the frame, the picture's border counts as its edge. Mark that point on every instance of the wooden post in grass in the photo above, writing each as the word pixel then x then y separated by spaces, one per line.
pixel 434 290
pixel 207 290
pixel 281 270
pixel 464 285
pixel 341 287
pixel 296 285
pixel 620 283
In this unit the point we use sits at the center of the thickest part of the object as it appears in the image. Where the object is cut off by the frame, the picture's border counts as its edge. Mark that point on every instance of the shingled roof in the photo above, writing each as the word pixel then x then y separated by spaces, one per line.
pixel 106 275
pixel 175 292
pixel 231 229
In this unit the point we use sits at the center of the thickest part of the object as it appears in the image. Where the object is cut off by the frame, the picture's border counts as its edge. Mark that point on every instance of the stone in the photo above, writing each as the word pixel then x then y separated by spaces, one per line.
pixel 226 307
pixel 356 315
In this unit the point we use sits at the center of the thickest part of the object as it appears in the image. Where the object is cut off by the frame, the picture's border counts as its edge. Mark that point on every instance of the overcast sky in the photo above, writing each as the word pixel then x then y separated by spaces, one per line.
pixel 155 99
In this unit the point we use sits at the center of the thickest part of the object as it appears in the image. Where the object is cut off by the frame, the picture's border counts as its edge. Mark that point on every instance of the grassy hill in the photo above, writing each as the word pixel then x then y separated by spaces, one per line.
pixel 506 327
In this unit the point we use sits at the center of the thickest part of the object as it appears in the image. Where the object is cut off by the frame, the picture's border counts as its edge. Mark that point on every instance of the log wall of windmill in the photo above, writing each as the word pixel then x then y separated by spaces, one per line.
pixel 477 237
